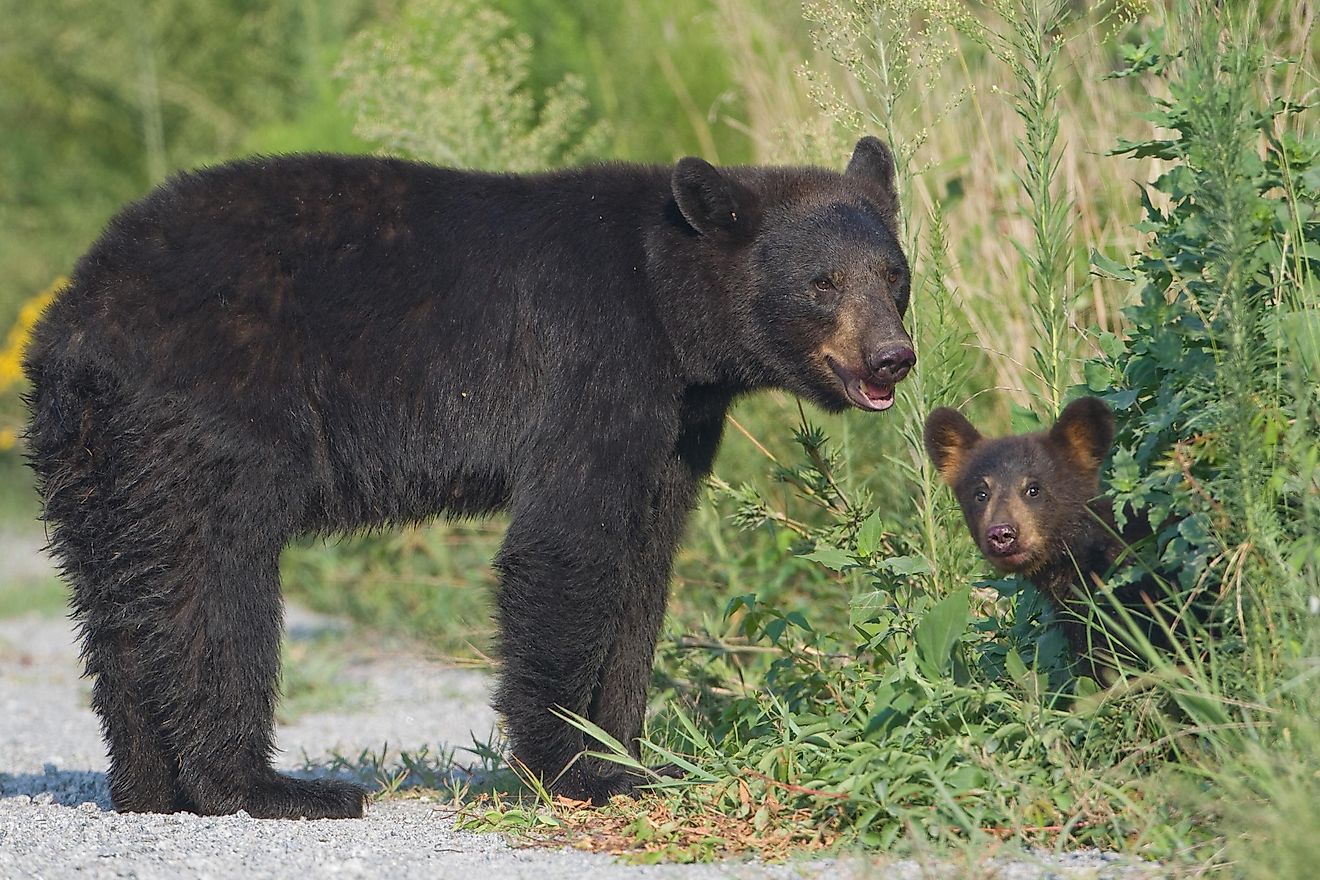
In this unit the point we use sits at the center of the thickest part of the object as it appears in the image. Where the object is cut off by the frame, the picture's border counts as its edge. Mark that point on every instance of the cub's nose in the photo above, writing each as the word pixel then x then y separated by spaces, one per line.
pixel 1002 538
pixel 892 363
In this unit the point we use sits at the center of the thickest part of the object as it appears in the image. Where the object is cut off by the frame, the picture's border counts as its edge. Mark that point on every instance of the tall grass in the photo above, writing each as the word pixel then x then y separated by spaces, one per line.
pixel 1028 42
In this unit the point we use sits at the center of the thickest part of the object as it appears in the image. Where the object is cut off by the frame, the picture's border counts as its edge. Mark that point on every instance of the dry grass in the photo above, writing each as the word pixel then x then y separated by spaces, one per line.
pixel 654 829
pixel 803 104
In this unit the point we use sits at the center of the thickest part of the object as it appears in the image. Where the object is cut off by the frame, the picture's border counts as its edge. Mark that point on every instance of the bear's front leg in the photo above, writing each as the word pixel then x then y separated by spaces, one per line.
pixel 619 704
pixel 563 569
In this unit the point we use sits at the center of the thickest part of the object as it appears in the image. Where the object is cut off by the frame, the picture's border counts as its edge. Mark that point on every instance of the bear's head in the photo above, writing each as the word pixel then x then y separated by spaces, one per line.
pixel 813 263
pixel 1024 497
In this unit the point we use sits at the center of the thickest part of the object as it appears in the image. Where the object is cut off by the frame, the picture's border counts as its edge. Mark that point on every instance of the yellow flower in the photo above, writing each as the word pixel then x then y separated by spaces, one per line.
pixel 8 438
pixel 11 359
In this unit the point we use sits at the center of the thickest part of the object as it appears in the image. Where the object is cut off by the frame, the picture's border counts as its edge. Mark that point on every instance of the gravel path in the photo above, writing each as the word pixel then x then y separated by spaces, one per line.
pixel 56 821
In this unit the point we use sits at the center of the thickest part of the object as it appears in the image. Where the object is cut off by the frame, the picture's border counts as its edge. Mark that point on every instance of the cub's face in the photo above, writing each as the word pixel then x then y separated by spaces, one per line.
pixel 826 282
pixel 1023 497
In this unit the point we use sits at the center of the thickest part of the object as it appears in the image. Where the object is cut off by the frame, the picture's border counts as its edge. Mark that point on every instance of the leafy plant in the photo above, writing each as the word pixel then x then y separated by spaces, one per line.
pixel 1216 381
pixel 447 82
pixel 946 711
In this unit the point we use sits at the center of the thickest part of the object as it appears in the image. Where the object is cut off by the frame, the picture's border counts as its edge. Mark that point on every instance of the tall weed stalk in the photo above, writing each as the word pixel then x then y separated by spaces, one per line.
pixel 1028 42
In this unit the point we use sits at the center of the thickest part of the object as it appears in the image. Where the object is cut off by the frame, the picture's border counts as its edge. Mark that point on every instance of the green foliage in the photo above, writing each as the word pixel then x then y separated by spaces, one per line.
pixel 1216 382
pixel 905 718
pixel 950 712
pixel 446 81
pixel 433 582
pixel 897 65
pixel 453 772
pixel 1030 43
pixel 101 102
pixel 658 70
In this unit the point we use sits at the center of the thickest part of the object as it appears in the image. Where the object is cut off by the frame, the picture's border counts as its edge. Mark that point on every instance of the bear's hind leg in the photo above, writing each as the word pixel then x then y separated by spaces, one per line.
pixel 224 633
pixel 144 773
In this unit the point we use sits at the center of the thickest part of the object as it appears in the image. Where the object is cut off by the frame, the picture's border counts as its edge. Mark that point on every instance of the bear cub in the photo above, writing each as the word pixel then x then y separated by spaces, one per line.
pixel 1033 506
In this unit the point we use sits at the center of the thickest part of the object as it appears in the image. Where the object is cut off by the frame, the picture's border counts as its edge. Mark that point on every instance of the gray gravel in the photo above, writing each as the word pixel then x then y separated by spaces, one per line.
pixel 56 821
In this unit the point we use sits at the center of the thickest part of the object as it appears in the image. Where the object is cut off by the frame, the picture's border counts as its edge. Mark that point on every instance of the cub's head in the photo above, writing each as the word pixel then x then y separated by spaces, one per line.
pixel 821 283
pixel 1025 496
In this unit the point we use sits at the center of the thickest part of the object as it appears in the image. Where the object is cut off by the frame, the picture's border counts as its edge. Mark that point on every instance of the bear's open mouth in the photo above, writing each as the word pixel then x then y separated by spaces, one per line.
pixel 863 393
pixel 876 396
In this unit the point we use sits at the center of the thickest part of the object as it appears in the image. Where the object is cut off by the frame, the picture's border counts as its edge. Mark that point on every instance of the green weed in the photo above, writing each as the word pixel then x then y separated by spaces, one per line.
pixel 452 775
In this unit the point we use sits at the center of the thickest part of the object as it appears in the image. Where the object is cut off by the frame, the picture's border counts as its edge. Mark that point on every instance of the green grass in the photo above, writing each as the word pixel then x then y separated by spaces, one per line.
pixel 455 774
pixel 18 500
pixel 431 583
pixel 311 676
pixel 47 597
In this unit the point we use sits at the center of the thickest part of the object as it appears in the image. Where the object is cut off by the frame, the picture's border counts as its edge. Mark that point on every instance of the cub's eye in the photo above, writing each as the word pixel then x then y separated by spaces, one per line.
pixel 981 496
pixel 823 284
pixel 1033 490
pixel 892 276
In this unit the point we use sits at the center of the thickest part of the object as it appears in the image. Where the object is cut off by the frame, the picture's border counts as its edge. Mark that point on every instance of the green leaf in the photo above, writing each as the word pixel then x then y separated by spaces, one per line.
pixel 1206 709
pixel 831 557
pixel 1099 377
pixel 867 606
pixel 939 630
pixel 798 619
pixel 1025 420
pixel 1111 344
pixel 594 731
pixel 905 566
pixel 694 772
pixel 868 536
pixel 1014 666
pixel 1108 268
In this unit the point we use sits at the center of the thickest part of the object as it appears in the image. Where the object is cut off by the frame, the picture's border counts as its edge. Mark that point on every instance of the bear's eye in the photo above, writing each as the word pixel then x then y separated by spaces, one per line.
pixel 823 284
pixel 892 276
pixel 980 496
pixel 1033 490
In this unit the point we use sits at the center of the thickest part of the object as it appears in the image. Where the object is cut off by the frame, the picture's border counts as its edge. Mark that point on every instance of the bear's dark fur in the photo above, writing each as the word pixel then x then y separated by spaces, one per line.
pixel 1033 505
pixel 312 344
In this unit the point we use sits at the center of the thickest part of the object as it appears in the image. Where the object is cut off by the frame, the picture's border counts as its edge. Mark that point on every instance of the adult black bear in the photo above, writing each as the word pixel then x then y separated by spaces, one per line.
pixel 1034 508
pixel 320 343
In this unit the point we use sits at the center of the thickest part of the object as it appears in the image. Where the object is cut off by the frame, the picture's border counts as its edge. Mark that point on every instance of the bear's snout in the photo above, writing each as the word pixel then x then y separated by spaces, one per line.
pixel 1002 539
pixel 870 384
pixel 890 364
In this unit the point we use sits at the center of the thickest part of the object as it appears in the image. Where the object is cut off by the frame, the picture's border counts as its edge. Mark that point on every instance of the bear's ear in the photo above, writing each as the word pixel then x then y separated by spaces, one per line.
pixel 873 161
pixel 1085 431
pixel 707 199
pixel 949 438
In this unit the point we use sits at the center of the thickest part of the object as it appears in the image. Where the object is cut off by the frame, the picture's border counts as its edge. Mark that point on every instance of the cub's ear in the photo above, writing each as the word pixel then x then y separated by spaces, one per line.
pixel 708 200
pixel 873 161
pixel 949 438
pixel 1085 431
